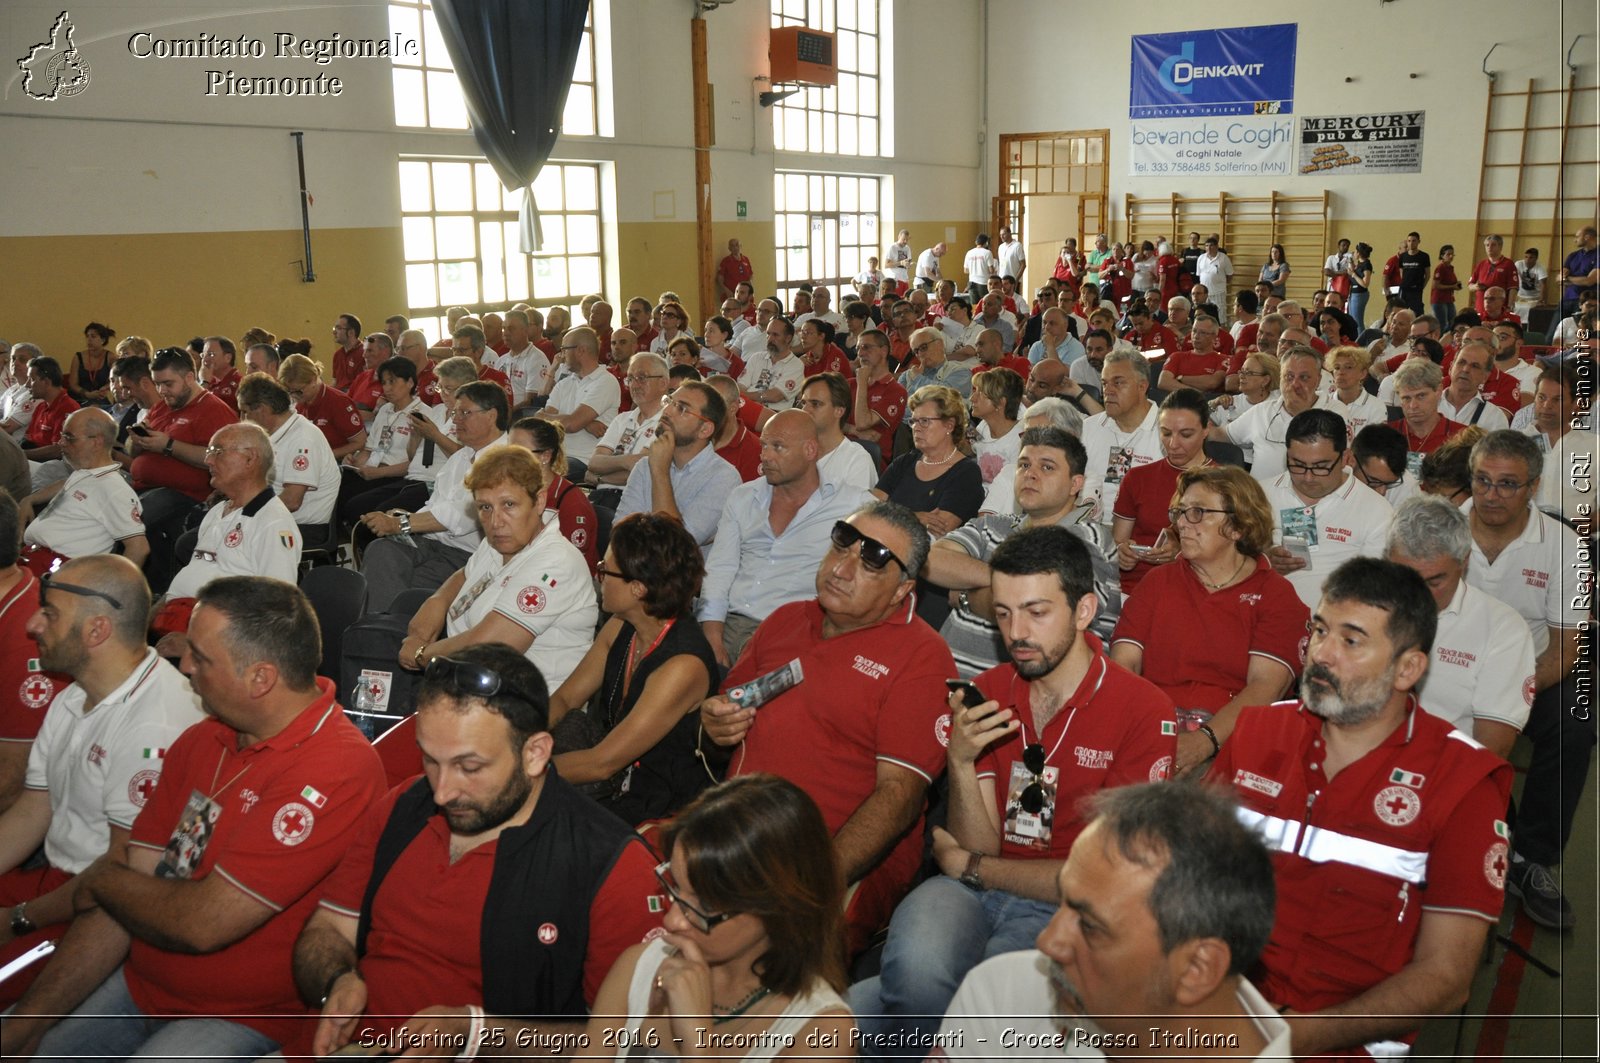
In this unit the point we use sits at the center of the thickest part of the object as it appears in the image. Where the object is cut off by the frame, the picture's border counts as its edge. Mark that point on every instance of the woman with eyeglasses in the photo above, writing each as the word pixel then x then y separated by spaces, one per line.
pixel 673 319
pixel 525 585
pixel 1218 629
pixel 547 441
pixel 753 957
pixel 1258 379
pixel 644 678
pixel 1141 526
pixel 330 409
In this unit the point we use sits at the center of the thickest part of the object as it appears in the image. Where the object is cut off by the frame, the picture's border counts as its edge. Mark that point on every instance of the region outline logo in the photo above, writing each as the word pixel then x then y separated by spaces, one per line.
pixel 55 65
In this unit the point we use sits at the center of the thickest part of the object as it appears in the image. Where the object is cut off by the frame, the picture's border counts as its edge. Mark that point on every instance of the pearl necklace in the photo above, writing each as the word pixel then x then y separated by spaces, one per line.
pixel 944 460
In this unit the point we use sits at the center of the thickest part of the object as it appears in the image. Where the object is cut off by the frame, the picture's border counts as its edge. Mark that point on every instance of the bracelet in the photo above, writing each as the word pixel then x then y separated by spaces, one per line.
pixel 474 1034
pixel 416 659
pixel 405 523
pixel 1216 746
pixel 327 987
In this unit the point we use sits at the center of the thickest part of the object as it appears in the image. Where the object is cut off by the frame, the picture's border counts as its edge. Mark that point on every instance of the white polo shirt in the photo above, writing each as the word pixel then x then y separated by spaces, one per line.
pixel 1364 411
pixel 600 392
pixel 389 434
pixel 1538 574
pixel 451 504
pixel 259 538
pixel 524 369
pixel 1351 521
pixel 1491 419
pixel 99 767
pixel 848 465
pixel 761 373
pixel 1482 663
pixel 301 455
pixel 627 435
pixel 94 510
pixel 751 342
pixel 1112 452
pixel 18 404
pixel 1567 483
pixel 1263 428
pixel 545 588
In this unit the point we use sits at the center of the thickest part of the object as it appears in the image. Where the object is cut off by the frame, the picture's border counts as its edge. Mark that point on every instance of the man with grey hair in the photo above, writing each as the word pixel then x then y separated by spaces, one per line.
pixel 1124 435
pixel 17 405
pixel 860 729
pixel 1464 401
pixel 94 508
pixel 1396 340
pixel 126 706
pixel 250 532
pixel 1263 427
pixel 928 347
pixel 1534 563
pixel 1480 670
pixel 1417 386
pixel 628 437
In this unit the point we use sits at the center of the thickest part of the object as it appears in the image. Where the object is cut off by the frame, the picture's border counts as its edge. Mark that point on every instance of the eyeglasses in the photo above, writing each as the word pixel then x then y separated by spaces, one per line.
pixel 701 921
pixel 670 317
pixel 1193 514
pixel 570 347
pixel 640 378
pixel 1032 797
pixel 1254 372
pixel 1300 468
pixel 684 407
pixel 874 555
pixel 473 680
pixel 922 422
pixel 919 348
pixel 1377 483
pixel 603 572
pixel 215 451
pixel 1482 485
pixel 47 582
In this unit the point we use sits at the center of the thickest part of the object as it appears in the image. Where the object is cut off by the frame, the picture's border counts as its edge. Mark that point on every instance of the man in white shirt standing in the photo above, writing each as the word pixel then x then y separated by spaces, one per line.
pixel 1335 269
pixel 1322 514
pixel 584 402
pixel 928 275
pixel 897 260
pixel 1013 258
pixel 1480 670
pixel 1530 283
pixel 1215 269
pixel 979 265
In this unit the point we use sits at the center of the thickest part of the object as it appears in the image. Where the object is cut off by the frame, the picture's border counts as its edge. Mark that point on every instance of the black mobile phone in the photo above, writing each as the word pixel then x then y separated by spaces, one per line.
pixel 971 696
pixel 138 429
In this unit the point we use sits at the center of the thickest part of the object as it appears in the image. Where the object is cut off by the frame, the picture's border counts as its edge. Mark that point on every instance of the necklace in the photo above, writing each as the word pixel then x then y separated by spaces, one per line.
pixel 953 452
pixel 1218 586
pixel 729 1012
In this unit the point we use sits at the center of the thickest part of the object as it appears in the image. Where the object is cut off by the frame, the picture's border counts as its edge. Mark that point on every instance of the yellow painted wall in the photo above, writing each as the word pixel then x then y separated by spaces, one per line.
pixel 169 287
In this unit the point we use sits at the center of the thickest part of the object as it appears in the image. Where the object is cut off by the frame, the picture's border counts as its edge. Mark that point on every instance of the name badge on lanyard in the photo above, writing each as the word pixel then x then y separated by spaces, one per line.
pixel 187 846
pixel 1031 830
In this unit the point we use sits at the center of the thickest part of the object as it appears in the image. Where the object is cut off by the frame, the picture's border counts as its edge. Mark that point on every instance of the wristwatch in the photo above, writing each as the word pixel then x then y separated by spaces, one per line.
pixel 970 877
pixel 168 448
pixel 405 523
pixel 327 987
pixel 20 923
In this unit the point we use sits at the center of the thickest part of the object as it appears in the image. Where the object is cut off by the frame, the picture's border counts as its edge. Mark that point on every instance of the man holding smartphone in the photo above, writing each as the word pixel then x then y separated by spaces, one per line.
pixel 1059 722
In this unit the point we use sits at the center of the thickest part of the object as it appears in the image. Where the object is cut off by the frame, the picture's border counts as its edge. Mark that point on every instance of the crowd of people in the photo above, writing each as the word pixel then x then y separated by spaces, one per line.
pixel 749 661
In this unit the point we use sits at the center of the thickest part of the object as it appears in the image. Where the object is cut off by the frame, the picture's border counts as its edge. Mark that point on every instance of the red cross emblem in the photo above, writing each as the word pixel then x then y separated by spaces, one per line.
pixel 235 537
pixel 142 785
pixel 941 729
pixel 300 463
pixel 1397 805
pixel 292 824
pixel 37 691
pixel 1494 865
pixel 530 599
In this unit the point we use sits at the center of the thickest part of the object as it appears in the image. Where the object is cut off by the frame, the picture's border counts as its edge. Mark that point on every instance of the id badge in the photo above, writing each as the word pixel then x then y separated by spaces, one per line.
pixel 1300 522
pixel 1027 829
pixel 187 845
pixel 1414 463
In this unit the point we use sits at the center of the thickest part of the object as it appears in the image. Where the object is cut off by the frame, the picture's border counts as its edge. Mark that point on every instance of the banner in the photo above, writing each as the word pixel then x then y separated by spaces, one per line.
pixel 1211 147
pixel 1362 143
pixel 1200 73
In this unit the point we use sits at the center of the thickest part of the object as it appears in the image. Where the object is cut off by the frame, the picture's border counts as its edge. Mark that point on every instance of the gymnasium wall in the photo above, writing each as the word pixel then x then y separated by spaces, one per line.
pixel 1400 55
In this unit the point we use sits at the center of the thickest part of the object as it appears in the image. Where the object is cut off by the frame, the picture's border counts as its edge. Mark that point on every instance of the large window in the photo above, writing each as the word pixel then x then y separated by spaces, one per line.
pixel 460 231
pixel 827 227
pixel 853 117
pixel 427 94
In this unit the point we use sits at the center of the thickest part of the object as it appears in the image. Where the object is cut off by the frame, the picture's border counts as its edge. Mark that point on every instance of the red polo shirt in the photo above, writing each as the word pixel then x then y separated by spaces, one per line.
pixel 887 399
pixel 196 423
pixel 347 365
pixel 428 386
pixel 743 451
pixel 733 269
pixel 1486 274
pixel 25 690
pixel 334 415
pixel 1017 364
pixel 227 389
pixel 45 428
pixel 367 392
pixel 1159 338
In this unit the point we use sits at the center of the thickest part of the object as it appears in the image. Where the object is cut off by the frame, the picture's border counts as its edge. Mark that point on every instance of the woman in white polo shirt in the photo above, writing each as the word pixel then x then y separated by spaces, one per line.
pixel 525 585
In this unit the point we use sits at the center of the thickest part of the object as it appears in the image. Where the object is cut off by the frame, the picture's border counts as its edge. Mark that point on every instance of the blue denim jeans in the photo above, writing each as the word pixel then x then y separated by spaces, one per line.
pixel 109 1025
pixel 938 933
pixel 1358 309
pixel 1446 313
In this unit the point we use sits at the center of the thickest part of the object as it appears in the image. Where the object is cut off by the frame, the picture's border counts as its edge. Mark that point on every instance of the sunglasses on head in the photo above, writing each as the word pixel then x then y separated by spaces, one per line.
pixel 1032 797
pixel 472 680
pixel 48 582
pixel 874 555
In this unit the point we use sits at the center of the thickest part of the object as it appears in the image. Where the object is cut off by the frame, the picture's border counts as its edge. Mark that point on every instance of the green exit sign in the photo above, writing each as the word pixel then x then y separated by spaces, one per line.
pixel 742 209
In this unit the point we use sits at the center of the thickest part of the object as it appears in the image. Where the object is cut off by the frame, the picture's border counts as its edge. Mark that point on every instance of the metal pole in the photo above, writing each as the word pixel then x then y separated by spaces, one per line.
pixel 310 274
pixel 702 162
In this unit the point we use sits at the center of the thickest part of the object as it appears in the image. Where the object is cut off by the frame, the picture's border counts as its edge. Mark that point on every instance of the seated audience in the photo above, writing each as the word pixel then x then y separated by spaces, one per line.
pixel 375 474
pixel 639 687
pixel 1219 629
pixel 1140 528
pixel 255 807
pixel 328 409
pixel 752 925
pixel 585 400
pixel 1048 411
pixel 1417 390
pixel 524 586
pixel 682 475
pixel 630 434
pixel 17 404
pixel 878 400
pixel 366 391
pixel 1260 429
pixel 1563 426
pixel 422 549
pixel 825 398
pixel 1128 875
pixel 305 474
pixel 997 424
pixel 93 509
pixel 20 669
pixel 859 731
pixel 219 373
pixel 932 367
pixel 1378 459
pixel 736 444
pixel 561 496
pixel 1447 472
pixel 1348 367
pixel 1016 789
pixel 772 376
pixel 1391 908
pixel 1124 435
pixel 125 702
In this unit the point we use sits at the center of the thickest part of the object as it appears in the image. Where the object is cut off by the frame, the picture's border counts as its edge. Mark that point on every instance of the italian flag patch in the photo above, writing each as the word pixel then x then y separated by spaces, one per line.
pixel 1169 727
pixel 315 796
pixel 154 753
pixel 1501 829
pixel 1406 778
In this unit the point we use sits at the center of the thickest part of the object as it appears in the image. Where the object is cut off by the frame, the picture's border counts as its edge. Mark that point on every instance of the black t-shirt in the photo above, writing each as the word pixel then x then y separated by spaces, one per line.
pixel 1415 270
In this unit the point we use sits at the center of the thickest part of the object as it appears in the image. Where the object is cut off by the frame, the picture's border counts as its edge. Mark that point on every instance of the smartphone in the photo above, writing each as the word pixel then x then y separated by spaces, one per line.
pixel 971 696
pixel 1297 545
pixel 138 429
pixel 1161 540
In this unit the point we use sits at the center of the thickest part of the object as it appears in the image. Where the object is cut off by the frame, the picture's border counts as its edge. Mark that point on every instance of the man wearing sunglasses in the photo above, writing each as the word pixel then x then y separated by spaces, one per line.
pixel 862 731
pixel 126 703
pixel 183 940
pixel 1320 508
pixel 1059 722
pixel 486 880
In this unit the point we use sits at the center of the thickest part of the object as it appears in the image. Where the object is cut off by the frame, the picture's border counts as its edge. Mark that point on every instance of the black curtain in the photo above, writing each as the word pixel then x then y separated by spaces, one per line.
pixel 514 60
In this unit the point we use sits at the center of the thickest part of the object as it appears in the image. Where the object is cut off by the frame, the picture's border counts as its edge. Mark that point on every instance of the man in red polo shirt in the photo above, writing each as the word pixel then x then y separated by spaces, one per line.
pixel 738 444
pixel 732 270
pixel 1495 270
pixel 1418 388
pixel 413 347
pixel 195 919
pixel 169 457
pixel 218 372
pixel 348 357
pixel 863 728
pixel 47 384
pixel 992 355
pixel 1148 334
pixel 878 400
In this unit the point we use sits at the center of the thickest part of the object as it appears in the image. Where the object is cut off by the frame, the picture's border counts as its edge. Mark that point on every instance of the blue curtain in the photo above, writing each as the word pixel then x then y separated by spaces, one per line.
pixel 514 60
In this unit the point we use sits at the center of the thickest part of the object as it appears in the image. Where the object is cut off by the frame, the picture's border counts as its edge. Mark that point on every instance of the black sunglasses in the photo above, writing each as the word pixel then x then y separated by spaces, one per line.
pixel 48 582
pixel 874 554
pixel 1032 797
pixel 473 680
